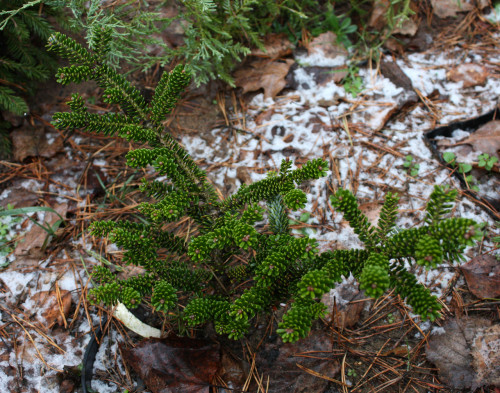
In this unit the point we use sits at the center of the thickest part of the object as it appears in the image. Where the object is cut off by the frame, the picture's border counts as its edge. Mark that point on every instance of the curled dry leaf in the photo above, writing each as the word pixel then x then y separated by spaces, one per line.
pixel 36 237
pixel 33 142
pixel 175 364
pixel 378 20
pixel 344 306
pixel 486 139
pixel 275 45
pixel 263 74
pixel 326 45
pixel 450 8
pixel 470 74
pixel 483 276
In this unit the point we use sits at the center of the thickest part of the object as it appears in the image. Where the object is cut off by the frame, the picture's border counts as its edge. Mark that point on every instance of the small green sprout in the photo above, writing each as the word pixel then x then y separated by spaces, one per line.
pixel 463 168
pixel 390 318
pixel 486 161
pixel 411 166
pixel 449 157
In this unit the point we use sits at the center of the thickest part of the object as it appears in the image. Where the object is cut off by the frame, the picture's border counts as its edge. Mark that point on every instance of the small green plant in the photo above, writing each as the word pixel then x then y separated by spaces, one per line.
pixel 352 373
pixel 390 318
pixel 352 82
pixel 230 269
pixel 496 239
pixel 304 218
pixel 7 236
pixel 486 161
pixel 341 25
pixel 50 229
pixel 462 168
pixel 411 167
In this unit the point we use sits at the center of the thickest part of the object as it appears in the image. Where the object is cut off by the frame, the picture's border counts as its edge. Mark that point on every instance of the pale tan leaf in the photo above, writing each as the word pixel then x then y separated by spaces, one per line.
pixel 263 74
pixel 276 46
pixel 470 74
pixel 482 274
pixel 486 139
pixel 450 8
pixel 32 142
pixel 326 45
pixel 36 237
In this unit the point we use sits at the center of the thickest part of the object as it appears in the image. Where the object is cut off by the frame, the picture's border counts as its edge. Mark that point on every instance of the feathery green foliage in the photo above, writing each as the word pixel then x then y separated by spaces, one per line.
pixel 23 31
pixel 230 270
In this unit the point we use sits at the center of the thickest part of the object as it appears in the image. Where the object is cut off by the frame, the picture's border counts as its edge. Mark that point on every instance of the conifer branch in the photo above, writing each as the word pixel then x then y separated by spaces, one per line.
pixel 230 270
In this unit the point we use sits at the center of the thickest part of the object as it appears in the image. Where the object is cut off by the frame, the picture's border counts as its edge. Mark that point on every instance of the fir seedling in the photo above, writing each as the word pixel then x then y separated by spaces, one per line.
pixel 229 271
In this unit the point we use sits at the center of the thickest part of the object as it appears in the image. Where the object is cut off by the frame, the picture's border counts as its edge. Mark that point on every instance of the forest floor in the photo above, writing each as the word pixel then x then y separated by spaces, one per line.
pixel 451 74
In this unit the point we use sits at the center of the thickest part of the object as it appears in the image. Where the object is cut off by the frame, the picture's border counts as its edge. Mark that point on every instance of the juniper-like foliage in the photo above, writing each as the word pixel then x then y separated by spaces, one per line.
pixel 229 271
pixel 23 60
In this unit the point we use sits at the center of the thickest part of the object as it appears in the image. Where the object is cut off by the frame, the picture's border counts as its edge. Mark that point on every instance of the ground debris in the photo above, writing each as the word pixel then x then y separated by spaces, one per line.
pixel 175 364
pixel 466 353
pixel 482 274
pixel 263 74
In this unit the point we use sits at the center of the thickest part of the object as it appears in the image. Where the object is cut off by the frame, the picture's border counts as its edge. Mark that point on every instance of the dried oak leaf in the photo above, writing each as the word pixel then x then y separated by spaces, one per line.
pixel 263 74
pixel 326 45
pixel 454 351
pixel 37 236
pixel 275 46
pixel 175 364
pixel 486 139
pixel 470 74
pixel 28 141
pixel 482 274
pixel 450 8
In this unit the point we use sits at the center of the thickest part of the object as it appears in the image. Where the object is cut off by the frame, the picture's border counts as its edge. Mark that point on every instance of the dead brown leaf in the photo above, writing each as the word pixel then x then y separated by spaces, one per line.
pixel 36 237
pixel 482 274
pixel 486 139
pixel 486 354
pixel 31 142
pixel 175 364
pixel 19 196
pixel 470 74
pixel 263 74
pixel 377 17
pixel 375 119
pixel 450 8
pixel 378 20
pixel 46 301
pixel 344 311
pixel 372 211
pixel 325 45
pixel 243 175
pixel 276 46
pixel 452 352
